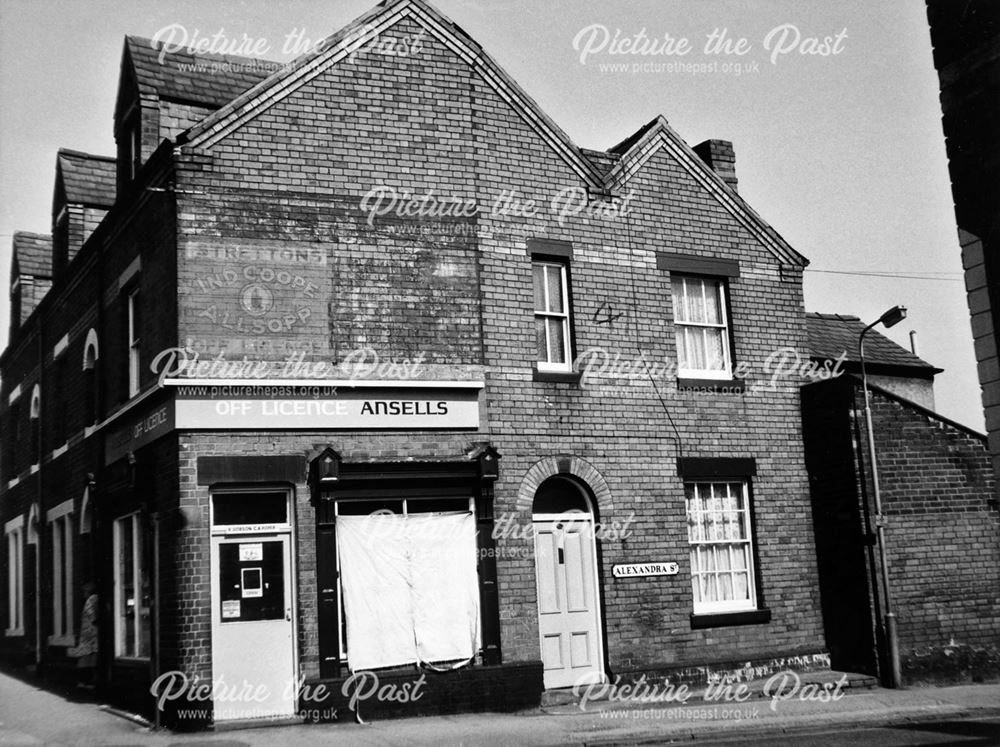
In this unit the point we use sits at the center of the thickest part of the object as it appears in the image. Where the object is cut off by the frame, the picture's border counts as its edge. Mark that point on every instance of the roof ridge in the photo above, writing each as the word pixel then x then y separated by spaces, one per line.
pixel 82 154
pixel 33 235
pixel 840 317
pixel 658 133
pixel 158 46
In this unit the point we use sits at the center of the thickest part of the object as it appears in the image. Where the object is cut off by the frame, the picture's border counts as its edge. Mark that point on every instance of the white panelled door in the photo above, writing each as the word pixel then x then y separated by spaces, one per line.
pixel 568 608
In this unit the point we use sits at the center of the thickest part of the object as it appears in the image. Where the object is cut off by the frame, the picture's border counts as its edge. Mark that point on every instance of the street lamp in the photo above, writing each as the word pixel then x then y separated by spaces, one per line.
pixel 891 317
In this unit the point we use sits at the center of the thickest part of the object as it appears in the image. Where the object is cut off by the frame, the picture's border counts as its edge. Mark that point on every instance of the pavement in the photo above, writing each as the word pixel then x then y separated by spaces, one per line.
pixel 33 716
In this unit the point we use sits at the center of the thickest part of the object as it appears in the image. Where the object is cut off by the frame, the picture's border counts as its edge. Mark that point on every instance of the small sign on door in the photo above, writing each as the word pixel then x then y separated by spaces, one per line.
pixel 251 551
pixel 230 609
pixel 252 583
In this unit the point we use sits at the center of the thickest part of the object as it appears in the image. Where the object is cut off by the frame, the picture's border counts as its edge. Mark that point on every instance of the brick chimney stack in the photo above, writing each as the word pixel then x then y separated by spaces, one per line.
pixel 720 157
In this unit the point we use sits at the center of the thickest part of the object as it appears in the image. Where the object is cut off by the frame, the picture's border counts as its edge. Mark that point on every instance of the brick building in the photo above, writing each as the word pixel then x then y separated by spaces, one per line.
pixel 943 530
pixel 966 40
pixel 365 368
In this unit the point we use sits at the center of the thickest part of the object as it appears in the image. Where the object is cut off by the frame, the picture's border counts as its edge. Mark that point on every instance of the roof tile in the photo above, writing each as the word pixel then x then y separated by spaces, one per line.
pixel 87 179
pixel 831 335
pixel 210 79
pixel 33 254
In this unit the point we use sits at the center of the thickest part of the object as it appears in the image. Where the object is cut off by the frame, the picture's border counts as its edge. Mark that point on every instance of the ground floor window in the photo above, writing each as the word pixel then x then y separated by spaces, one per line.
pixel 14 534
pixel 132 590
pixel 60 521
pixel 409 584
pixel 721 546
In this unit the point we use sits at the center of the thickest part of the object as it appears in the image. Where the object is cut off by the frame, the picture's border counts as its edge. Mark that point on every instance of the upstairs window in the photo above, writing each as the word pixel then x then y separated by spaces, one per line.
pixel 35 416
pixel 552 316
pixel 90 355
pixel 132 313
pixel 701 327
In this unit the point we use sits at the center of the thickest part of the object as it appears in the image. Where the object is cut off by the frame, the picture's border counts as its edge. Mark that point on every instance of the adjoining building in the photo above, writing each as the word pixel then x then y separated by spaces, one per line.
pixel 966 40
pixel 942 517
pixel 369 371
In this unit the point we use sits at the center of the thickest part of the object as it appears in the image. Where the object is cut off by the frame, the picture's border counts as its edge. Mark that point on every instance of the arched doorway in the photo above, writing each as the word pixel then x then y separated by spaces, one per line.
pixel 569 621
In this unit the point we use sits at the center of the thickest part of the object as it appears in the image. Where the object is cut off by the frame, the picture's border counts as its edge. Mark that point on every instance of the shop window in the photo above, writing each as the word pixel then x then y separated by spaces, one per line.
pixel 60 521
pixel 721 547
pixel 35 424
pixel 14 535
pixel 90 356
pixel 133 322
pixel 408 581
pixel 552 315
pixel 132 590
pixel 701 327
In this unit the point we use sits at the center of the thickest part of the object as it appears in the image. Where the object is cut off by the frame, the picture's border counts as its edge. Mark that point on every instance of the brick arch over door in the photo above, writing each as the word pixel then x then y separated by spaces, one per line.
pixel 565 465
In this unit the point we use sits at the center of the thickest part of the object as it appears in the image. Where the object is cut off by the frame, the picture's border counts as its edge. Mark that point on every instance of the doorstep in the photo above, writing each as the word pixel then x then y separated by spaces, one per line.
pixel 567 700
pixel 256 723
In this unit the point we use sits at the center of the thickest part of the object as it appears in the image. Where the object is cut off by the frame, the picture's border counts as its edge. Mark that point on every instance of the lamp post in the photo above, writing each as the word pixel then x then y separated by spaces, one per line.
pixel 891 317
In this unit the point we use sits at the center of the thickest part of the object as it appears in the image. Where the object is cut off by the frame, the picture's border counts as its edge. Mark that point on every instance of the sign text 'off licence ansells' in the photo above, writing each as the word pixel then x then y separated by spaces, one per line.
pixel 425 410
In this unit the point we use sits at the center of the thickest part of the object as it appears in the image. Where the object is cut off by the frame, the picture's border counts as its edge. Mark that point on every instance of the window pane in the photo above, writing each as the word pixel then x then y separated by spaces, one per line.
pixel 538 272
pixel 712 303
pixel 725 587
pixel 250 508
pixel 680 300
pixel 126 588
pixel 695 343
pixel 696 300
pixel 711 342
pixel 143 644
pixel 741 586
pixel 557 341
pixel 540 340
pixel 363 508
pixel 555 289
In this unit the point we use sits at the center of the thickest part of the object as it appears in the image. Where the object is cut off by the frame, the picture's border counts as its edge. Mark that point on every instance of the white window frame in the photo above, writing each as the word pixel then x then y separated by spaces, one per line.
pixel 696 373
pixel 14 535
pixel 138 547
pixel 563 315
pixel 60 519
pixel 734 605
pixel 134 342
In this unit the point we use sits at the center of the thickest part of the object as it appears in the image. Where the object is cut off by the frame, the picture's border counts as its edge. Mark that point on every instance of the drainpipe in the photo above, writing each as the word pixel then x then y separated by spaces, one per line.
pixel 156 609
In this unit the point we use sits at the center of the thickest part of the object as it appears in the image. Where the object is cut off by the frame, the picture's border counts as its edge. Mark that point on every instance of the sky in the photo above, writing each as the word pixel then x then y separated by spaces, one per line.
pixel 842 152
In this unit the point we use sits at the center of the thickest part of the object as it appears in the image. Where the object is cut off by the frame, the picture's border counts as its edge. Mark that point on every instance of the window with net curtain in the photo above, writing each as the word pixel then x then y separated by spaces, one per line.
pixel 552 330
pixel 701 327
pixel 721 546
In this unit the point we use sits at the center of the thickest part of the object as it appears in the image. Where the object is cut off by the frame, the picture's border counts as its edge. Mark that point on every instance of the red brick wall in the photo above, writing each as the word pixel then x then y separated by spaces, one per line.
pixel 944 533
pixel 295 174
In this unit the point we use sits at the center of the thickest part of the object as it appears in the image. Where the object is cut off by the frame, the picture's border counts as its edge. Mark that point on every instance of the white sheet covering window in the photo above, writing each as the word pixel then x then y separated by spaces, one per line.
pixel 410 588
